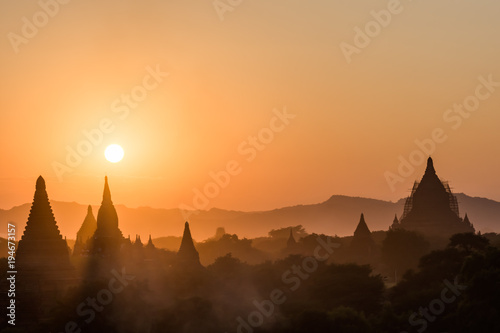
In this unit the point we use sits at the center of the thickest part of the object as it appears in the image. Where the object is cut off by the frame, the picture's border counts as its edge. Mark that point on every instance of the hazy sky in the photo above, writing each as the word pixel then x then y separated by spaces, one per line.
pixel 352 120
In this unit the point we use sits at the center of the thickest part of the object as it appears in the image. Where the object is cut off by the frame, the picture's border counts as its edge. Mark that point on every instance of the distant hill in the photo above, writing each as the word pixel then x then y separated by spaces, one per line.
pixel 338 215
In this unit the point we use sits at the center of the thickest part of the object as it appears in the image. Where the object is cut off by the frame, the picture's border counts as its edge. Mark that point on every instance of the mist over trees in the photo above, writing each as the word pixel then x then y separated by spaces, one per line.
pixel 454 288
pixel 408 279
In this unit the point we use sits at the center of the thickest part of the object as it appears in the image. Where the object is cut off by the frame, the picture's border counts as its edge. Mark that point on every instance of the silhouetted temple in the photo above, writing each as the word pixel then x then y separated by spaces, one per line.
pixel 188 255
pixel 85 233
pixel 150 244
pixel 42 257
pixel 395 223
pixel 432 209
pixel 362 243
pixel 138 242
pixel 150 251
pixel 107 238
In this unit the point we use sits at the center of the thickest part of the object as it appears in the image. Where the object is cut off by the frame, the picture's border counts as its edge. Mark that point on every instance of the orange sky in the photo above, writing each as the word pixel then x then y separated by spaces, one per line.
pixel 351 121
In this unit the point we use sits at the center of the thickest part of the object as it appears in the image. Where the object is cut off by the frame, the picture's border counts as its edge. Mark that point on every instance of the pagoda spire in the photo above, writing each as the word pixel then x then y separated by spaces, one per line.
pixel 432 209
pixel 362 228
pixel 41 221
pixel 430 167
pixel 188 254
pixel 107 218
pixel 395 222
pixel 106 196
pixel 466 220
pixel 362 244
pixel 85 232
pixel 138 241
pixel 42 245
pixel 107 235
pixel 89 225
pixel 150 244
pixel 42 257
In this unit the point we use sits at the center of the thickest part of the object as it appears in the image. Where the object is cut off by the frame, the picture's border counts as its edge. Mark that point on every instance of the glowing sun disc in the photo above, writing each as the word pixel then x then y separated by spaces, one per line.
pixel 114 153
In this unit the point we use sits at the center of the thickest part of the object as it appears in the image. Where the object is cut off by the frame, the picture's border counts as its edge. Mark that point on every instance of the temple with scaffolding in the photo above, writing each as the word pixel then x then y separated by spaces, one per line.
pixel 432 209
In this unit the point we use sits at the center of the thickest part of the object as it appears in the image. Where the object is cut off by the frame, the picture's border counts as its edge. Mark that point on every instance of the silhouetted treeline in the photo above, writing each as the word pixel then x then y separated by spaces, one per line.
pixel 452 289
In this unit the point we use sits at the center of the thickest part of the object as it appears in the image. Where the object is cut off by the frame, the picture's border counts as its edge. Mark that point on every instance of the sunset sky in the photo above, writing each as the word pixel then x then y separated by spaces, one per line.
pixel 348 121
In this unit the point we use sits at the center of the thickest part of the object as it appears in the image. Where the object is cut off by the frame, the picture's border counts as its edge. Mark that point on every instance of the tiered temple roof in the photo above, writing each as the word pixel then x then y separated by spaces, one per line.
pixel 42 260
pixel 42 245
pixel 432 209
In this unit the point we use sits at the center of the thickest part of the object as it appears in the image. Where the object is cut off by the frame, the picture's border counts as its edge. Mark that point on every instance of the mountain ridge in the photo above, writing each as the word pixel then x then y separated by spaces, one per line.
pixel 338 215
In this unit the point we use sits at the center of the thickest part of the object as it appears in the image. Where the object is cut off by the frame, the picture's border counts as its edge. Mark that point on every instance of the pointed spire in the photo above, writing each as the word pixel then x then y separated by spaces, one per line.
pixel 42 259
pixel 150 244
pixel 187 252
pixel 107 217
pixel 362 243
pixel 362 228
pixel 41 222
pixel 40 184
pixel 395 223
pixel 430 167
pixel 42 244
pixel 106 196
pixel 432 208
pixel 466 219
pixel 107 235
pixel 187 239
pixel 87 228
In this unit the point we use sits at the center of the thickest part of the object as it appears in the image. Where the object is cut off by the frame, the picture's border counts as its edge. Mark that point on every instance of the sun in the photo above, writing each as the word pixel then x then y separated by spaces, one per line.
pixel 114 153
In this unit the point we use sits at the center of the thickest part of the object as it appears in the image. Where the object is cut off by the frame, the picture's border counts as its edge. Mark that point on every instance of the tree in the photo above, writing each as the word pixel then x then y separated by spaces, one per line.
pixel 479 311
pixel 298 232
pixel 469 242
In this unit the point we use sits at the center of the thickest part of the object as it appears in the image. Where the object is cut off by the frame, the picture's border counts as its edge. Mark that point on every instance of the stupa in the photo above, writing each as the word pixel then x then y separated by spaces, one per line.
pixel 362 243
pixel 85 233
pixel 188 255
pixel 108 238
pixel 42 261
